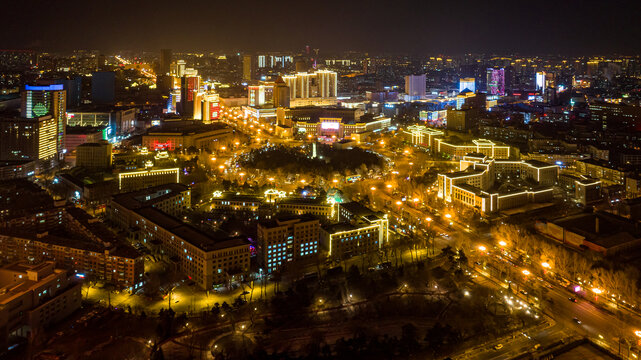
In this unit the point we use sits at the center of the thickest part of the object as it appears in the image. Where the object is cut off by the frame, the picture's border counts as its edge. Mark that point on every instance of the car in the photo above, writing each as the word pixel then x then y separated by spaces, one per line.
pixel 498 346
pixel 572 299
pixel 576 321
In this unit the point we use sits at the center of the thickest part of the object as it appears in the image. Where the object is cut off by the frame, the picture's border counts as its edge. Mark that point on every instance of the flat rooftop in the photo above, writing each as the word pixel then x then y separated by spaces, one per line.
pixel 149 196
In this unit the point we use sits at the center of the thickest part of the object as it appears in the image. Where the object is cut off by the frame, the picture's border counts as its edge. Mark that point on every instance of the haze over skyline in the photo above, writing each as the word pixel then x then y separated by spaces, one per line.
pixel 420 27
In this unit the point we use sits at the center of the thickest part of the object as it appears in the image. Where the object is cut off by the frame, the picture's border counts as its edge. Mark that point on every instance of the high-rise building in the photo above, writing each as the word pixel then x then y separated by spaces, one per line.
pixel 321 84
pixel 73 87
pixel 210 107
pixel 248 67
pixel 189 87
pixel 540 80
pixel 281 93
pixel 29 139
pixel 165 61
pixel 258 95
pixel 177 69
pixel 496 81
pixel 415 86
pixel 39 101
pixel 467 84
pixel 103 87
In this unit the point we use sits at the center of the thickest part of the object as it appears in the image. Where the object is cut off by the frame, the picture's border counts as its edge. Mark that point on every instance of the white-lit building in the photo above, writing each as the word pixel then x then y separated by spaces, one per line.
pixel 319 88
pixel 473 184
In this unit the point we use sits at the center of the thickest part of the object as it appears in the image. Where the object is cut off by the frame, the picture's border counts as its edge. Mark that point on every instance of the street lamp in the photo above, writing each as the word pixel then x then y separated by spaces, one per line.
pixel 448 216
pixel 597 291
pixel 546 265
pixel 373 188
pixel 502 243
pixel 482 248
pixel 526 272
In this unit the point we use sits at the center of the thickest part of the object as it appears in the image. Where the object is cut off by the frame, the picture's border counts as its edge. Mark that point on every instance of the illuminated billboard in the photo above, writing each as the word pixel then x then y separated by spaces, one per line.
pixel 330 125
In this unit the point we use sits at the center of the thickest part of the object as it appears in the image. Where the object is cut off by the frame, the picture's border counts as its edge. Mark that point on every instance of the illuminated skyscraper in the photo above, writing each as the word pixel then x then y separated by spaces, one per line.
pixel 540 80
pixel 496 81
pixel 281 93
pixel 247 67
pixel 415 86
pixel 189 87
pixel 258 95
pixel 467 83
pixel 322 84
pixel 38 101
pixel 33 138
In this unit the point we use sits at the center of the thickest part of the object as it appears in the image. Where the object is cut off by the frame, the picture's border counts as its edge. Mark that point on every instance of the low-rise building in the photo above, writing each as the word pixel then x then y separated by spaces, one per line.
pixel 24 204
pixel 232 202
pixel 480 146
pixel 474 184
pixel 33 297
pixel 142 179
pixel 359 231
pixel 286 240
pixel 174 135
pixel 300 206
pixel 94 155
pixel 208 259
pixel 601 170
pixel 601 232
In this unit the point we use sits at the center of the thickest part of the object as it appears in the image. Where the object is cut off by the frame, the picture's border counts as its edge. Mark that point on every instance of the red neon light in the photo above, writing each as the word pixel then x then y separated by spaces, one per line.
pixel 169 145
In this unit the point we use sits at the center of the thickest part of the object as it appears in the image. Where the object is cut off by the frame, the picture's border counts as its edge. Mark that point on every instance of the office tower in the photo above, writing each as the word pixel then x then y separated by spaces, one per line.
pixel 189 86
pixel 496 81
pixel 301 65
pixel 319 84
pixel 165 61
pixel 177 69
pixel 281 93
pixel 38 101
pixel 262 61
pixel 593 67
pixel 73 87
pixel 210 107
pixel 259 95
pixel 34 138
pixel 103 87
pixel 247 67
pixel 467 84
pixel 415 86
pixel 540 80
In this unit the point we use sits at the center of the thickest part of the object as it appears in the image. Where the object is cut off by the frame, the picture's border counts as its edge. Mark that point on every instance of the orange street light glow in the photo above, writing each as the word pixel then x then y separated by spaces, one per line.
pixel 502 243
pixel 545 265
pixel 525 272
pixel 482 248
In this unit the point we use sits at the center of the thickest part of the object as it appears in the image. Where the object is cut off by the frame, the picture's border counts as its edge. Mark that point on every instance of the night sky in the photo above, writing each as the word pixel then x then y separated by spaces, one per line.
pixel 568 27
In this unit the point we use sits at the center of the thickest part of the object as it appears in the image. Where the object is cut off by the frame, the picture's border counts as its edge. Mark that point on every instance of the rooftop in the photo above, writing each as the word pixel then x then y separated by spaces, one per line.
pixel 149 196
pixel 185 128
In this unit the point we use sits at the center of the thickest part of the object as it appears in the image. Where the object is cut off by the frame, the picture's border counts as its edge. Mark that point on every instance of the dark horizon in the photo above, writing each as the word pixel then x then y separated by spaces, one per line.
pixel 576 28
